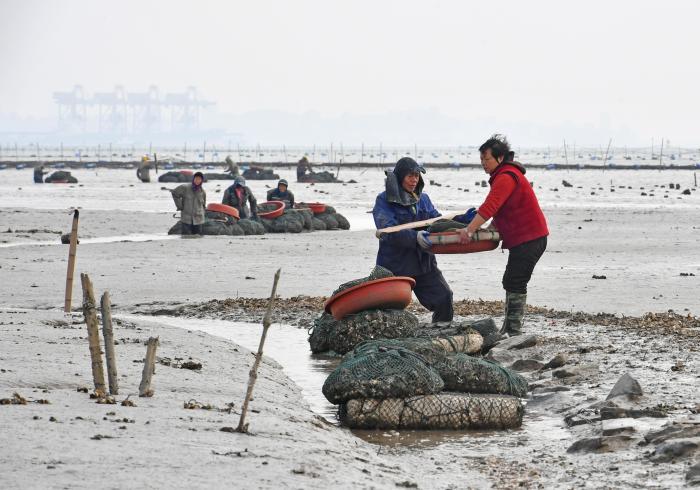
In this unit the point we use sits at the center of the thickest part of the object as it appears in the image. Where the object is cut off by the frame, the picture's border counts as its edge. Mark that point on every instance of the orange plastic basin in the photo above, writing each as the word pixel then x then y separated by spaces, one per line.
pixel 315 207
pixel 387 293
pixel 275 213
pixel 459 248
pixel 223 208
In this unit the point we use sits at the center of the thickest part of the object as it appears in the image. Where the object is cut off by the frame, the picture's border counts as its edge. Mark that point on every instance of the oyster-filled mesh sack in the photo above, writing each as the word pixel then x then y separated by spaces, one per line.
pixel 385 374
pixel 468 374
pixel 320 333
pixel 342 336
pixel 251 227
pixel 378 272
pixel 445 225
pixel 444 411
pixel 432 350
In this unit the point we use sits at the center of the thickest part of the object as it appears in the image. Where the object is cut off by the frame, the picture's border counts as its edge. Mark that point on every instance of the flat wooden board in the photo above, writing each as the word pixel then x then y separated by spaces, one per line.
pixel 415 224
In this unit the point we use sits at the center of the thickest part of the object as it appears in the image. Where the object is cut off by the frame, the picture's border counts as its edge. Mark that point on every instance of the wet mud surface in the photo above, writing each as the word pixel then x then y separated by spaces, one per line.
pixel 571 435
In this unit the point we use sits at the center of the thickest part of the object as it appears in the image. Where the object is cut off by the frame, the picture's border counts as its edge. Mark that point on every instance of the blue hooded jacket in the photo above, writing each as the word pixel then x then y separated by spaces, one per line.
pixel 399 252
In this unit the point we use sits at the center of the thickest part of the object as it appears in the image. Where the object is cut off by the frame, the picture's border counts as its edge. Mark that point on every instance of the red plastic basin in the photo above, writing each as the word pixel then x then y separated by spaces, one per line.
pixel 275 213
pixel 186 172
pixel 459 248
pixel 315 207
pixel 223 208
pixel 387 293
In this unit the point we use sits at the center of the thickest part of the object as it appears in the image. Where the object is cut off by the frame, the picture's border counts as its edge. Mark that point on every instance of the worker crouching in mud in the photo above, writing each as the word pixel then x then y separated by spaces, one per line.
pixel 239 196
pixel 282 193
pixel 516 214
pixel 191 201
pixel 406 252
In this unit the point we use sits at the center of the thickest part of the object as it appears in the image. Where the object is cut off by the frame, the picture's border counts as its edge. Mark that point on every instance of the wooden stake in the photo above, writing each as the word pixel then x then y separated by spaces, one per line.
pixel 605 159
pixel 253 375
pixel 71 262
pixel 149 367
pixel 90 313
pixel 107 334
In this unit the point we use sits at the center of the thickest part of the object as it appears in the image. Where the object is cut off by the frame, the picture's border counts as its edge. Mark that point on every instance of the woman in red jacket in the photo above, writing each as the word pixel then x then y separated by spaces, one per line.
pixel 516 214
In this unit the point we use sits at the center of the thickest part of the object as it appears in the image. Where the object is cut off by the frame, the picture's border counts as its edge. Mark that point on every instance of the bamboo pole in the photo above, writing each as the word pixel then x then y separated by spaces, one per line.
pixel 90 313
pixel 149 367
pixel 108 335
pixel 71 262
pixel 253 375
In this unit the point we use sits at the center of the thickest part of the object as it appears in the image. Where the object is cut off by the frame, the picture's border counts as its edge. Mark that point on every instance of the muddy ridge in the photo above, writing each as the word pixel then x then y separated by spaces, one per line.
pixel 302 310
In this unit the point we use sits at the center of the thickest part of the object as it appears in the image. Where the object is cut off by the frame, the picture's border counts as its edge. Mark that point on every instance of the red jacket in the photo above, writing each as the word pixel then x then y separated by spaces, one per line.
pixel 513 205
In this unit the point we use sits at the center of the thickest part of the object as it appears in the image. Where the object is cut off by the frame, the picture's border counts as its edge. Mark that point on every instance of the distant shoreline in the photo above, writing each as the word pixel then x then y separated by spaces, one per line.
pixel 220 165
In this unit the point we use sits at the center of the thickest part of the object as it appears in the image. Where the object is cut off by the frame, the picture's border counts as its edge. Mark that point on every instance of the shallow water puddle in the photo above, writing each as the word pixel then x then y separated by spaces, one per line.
pixel 104 239
pixel 285 344
pixel 289 347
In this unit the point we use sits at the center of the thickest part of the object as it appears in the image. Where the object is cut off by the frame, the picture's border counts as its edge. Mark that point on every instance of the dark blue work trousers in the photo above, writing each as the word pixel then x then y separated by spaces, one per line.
pixel 433 292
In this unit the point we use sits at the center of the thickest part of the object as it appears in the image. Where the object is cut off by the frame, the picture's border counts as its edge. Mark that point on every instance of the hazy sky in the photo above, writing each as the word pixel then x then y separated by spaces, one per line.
pixel 627 67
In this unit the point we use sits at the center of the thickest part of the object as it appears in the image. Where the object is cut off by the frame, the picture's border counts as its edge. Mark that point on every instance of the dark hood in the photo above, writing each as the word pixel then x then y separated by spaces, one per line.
pixel 394 192
pixel 510 160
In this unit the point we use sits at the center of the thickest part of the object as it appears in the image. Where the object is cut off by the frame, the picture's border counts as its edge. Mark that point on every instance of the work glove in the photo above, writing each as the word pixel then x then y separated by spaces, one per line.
pixel 467 217
pixel 423 240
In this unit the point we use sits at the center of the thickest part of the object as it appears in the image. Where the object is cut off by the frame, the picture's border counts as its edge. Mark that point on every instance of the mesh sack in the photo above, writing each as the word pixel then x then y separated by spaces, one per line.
pixel 329 220
pixel 343 223
pixel 444 411
pixel 317 224
pixel 251 227
pixel 342 336
pixel 306 216
pixel 378 272
pixel 445 225
pixel 320 333
pixel 221 228
pixel 468 374
pixel 434 351
pixel 387 374
pixel 485 326
pixel 287 223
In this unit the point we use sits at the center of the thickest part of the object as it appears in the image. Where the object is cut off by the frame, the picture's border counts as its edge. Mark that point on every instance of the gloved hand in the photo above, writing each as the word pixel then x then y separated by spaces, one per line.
pixel 467 217
pixel 423 240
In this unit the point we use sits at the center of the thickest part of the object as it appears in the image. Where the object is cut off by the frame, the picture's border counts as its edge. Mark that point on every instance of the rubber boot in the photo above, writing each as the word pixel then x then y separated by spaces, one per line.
pixel 515 311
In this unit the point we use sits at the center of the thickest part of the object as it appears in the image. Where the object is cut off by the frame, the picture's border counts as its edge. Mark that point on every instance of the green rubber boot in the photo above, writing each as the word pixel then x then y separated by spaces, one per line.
pixel 515 311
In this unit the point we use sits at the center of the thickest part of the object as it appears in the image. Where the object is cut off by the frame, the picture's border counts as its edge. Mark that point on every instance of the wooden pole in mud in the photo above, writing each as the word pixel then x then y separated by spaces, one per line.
pixel 71 262
pixel 253 375
pixel 108 336
pixel 90 314
pixel 605 159
pixel 149 367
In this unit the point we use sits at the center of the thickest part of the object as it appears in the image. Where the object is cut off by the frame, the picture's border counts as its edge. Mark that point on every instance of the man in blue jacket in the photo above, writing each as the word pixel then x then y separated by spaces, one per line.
pixel 406 252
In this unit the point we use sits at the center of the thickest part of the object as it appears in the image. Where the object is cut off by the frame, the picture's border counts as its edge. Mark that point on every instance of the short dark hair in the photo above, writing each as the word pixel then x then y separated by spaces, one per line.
pixel 499 146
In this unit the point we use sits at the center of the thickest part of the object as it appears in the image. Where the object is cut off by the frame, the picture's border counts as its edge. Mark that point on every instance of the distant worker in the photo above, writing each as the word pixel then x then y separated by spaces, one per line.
pixel 281 193
pixel 39 173
pixel 191 201
pixel 407 252
pixel 303 166
pixel 239 196
pixel 143 172
pixel 231 167
pixel 516 214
